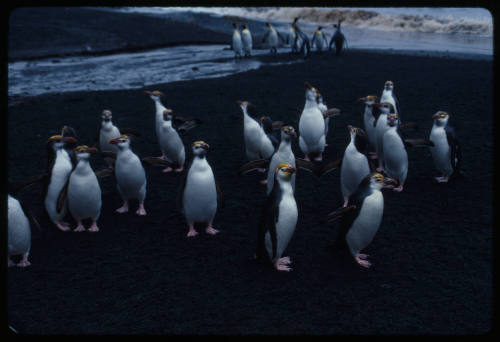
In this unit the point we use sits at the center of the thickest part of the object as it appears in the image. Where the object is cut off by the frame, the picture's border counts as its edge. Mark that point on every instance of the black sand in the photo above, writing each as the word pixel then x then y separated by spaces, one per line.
pixel 432 256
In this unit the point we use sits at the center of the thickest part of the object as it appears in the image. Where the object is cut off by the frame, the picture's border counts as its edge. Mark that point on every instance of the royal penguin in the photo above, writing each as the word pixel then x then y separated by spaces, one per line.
pixel 19 233
pixel 388 95
pixel 130 175
pixel 447 151
pixel 395 155
pixel 251 132
pixel 338 39
pixel 268 141
pixel 278 220
pixel 361 219
pixel 312 126
pixel 370 115
pixel 200 194
pixel 236 42
pixel 108 131
pixel 171 145
pixel 380 129
pixel 246 38
pixel 319 39
pixel 83 190
pixel 272 37
pixel 156 96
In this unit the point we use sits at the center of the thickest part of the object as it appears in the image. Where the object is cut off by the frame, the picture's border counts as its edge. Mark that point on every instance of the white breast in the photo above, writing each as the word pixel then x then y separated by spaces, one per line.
pixel 58 178
pixel 381 128
pixel 280 157
pixel 247 39
pixel 84 193
pixel 171 145
pixel 354 168
pixel 130 174
pixel 395 155
pixel 252 134
pixel 19 233
pixel 273 39
pixel 237 45
pixel 312 128
pixel 368 119
pixel 105 134
pixel 387 97
pixel 200 193
pixel 441 150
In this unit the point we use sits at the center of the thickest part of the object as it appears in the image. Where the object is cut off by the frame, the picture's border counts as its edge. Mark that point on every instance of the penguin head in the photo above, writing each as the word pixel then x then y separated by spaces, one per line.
pixel 288 131
pixel 83 152
pixel 244 27
pixel 319 29
pixel 68 131
pixel 200 148
pixel 441 118
pixel 312 93
pixel 155 94
pixel 285 171
pixel 392 119
pixel 247 107
pixel 355 131
pixel 369 100
pixel 123 141
pixel 106 115
pixel 235 26
pixel 168 114
pixel 389 85
pixel 266 123
pixel 377 181
pixel 58 141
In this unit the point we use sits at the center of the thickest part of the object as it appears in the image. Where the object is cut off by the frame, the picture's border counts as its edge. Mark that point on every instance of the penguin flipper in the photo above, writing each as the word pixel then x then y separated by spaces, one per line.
pixel 63 195
pixel 305 165
pixel 104 172
pixel 252 165
pixel 406 125
pixel 331 112
pixel 130 131
pixel 455 148
pixel 187 124
pixel 417 142
pixel 33 180
pixel 156 160
pixel 339 212
pixel 331 166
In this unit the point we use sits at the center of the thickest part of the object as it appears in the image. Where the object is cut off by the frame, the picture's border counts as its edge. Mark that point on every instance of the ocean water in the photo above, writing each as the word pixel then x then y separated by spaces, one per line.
pixel 453 31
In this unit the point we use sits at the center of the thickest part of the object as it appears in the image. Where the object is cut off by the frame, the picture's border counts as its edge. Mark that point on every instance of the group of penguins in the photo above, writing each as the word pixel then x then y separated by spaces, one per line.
pixel 242 42
pixel 70 183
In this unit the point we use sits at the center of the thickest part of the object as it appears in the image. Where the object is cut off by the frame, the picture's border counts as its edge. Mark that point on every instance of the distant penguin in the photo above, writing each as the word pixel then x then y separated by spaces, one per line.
pixel 130 175
pixel 236 43
pixel 447 151
pixel 338 40
pixel 171 144
pixel 200 193
pixel 319 39
pixel 380 129
pixel 19 233
pixel 107 132
pixel 83 191
pixel 369 118
pixel 302 43
pixel 312 126
pixel 355 164
pixel 290 38
pixel 272 37
pixel 59 167
pixel 278 220
pixel 251 131
pixel 362 217
pixel 388 95
pixel 246 38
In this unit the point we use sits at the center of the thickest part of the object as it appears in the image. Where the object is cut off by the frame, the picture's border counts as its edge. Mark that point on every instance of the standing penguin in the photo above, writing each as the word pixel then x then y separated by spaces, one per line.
pixel 395 155
pixel 272 38
pixel 156 96
pixel 369 117
pixel 327 114
pixel 290 38
pixel 246 38
pixel 236 43
pixel 319 38
pixel 200 192
pixel 130 175
pixel 278 220
pixel 268 142
pixel 361 219
pixel 338 39
pixel 388 95
pixel 251 131
pixel 171 144
pixel 107 132
pixel 19 233
pixel 312 126
pixel 447 151
pixel 380 129
pixel 302 43
pixel 83 191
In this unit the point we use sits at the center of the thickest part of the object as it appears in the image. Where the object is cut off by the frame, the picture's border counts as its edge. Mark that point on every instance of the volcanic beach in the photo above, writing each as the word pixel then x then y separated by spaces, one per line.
pixel 432 256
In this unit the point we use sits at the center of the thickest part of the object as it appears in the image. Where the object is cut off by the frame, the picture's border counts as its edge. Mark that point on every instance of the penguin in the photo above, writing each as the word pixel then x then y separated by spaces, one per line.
pixel 251 131
pixel 362 217
pixel 319 39
pixel 171 144
pixel 19 233
pixel 327 114
pixel 395 155
pixel 59 167
pixel 272 38
pixel 278 220
pixel 355 165
pixel 447 150
pixel 388 95
pixel 302 43
pixel 83 190
pixel 380 128
pixel 236 43
pixel 312 126
pixel 200 194
pixel 108 131
pixel 268 142
pixel 130 175
pixel 156 96
pixel 246 38
pixel 290 38
pixel 369 116
pixel 338 39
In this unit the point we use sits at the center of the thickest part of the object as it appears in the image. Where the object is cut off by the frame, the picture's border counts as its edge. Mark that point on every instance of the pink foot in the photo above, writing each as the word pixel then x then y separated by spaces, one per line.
pixel 141 211
pixel 306 157
pixel 346 201
pixel 192 232
pixel 441 179
pixel 319 158
pixel 64 227
pixel 11 263
pixel 79 228
pixel 326 145
pixel 283 264
pixel 380 169
pixel 211 230
pixel 24 263
pixel 93 228
pixel 361 259
pixel 399 188
pixel 179 169
pixel 284 261
pixel 167 169
pixel 264 181
pixel 122 209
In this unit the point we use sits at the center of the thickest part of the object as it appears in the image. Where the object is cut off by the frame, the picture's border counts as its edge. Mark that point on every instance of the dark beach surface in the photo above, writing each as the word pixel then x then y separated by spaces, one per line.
pixel 432 256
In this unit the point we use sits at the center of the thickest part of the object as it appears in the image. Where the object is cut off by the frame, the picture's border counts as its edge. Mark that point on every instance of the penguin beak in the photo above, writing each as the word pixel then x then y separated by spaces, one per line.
pixel 113 141
pixel 290 170
pixel 92 150
pixel 389 182
pixel 205 146
pixel 293 134
pixel 69 140
pixel 146 92
pixel 435 116
pixel 349 127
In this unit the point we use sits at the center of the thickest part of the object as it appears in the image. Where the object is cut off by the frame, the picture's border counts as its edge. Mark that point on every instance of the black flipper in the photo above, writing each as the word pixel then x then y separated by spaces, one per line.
pixel 331 166
pixel 267 223
pixel 63 195
pixel 305 165
pixel 30 216
pixel 104 172
pixel 252 165
pixel 331 112
pixel 156 161
pixel 455 148
pixel 417 142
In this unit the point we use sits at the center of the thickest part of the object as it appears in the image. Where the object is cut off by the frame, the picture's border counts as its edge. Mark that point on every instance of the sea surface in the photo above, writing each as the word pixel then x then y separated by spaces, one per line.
pixel 455 32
